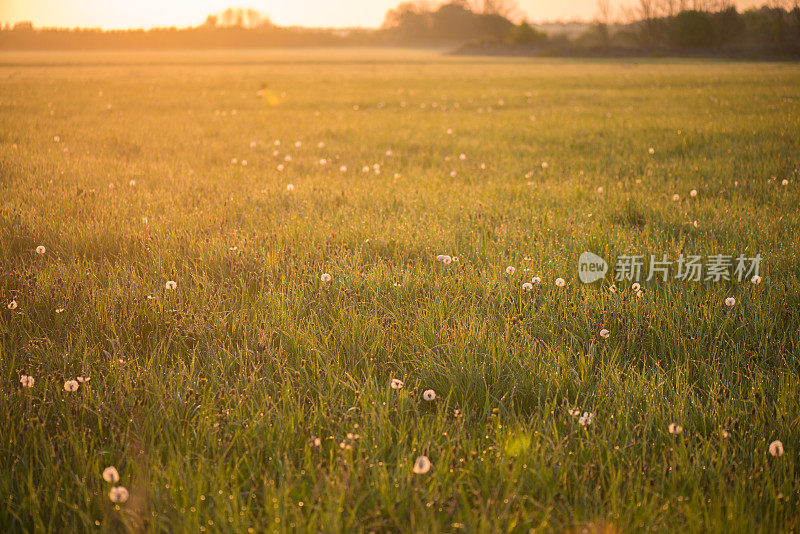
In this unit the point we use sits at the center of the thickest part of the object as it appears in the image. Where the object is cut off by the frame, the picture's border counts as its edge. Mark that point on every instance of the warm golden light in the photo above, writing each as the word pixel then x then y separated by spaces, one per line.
pixel 117 14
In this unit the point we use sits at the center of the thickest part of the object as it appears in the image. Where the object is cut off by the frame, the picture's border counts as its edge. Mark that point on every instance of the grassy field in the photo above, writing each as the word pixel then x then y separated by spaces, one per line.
pixel 254 397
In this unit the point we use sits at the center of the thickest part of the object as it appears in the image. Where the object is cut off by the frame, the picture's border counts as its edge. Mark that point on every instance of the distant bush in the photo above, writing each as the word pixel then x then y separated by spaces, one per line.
pixel 693 29
pixel 524 33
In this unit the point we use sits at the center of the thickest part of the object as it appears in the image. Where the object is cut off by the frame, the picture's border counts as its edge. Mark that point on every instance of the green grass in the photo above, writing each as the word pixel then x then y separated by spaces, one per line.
pixel 207 398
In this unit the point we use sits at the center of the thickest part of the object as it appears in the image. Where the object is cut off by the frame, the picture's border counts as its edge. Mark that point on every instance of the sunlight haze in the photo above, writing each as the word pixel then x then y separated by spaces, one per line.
pixel 119 14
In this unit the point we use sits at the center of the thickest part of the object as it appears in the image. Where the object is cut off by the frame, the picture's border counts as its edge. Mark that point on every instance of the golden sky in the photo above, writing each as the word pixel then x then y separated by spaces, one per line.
pixel 110 14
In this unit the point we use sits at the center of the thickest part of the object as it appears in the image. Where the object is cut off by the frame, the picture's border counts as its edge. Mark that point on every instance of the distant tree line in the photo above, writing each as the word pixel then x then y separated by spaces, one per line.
pixel 711 27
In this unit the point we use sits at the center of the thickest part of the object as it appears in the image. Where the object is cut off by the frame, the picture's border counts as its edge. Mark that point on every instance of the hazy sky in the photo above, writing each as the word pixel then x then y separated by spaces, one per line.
pixel 148 13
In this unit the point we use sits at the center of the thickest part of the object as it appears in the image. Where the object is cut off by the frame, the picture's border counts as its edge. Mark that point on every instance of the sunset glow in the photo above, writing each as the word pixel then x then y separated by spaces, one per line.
pixel 119 14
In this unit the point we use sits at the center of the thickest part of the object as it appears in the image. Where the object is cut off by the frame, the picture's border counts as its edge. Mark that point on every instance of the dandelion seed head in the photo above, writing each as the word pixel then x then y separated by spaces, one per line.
pixel 12 305
pixel 693 193
pixel 110 474
pixel 40 249
pixel 429 395
pixel 290 187
pixel 560 282
pixel 396 383
pixel 756 280
pixel 171 285
pixel 604 333
pixel 27 381
pixel 118 494
pixel 527 286
pixel 536 280
pixel 510 270
pixel 71 385
pixel 730 301
pixel 674 429
pixel 422 465
pixel 325 277
pixel 776 448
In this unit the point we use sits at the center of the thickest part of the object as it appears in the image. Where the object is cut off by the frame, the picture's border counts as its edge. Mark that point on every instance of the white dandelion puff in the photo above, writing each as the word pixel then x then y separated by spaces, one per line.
pixel 429 395
pixel 574 412
pixel 560 282
pixel 605 334
pixel 447 260
pixel 422 465
pixel 12 305
pixel 536 280
pixel 756 280
pixel 325 277
pixel 396 384
pixel 290 187
pixel 132 183
pixel 40 249
pixel 693 193
pixel 110 474
pixel 612 288
pixel 343 168
pixel 636 287
pixel 730 301
pixel 27 381
pixel 83 379
pixel 586 419
pixel 785 182
pixel 171 285
pixel 71 385
pixel 545 165
pixel 118 494
pixel 676 197
pixel 776 448
pixel 651 150
pixel 674 429
pixel 527 286
pixel 510 270
pixel 280 167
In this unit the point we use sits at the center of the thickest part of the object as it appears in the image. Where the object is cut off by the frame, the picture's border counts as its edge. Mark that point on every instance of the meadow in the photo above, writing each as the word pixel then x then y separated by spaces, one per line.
pixel 189 204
